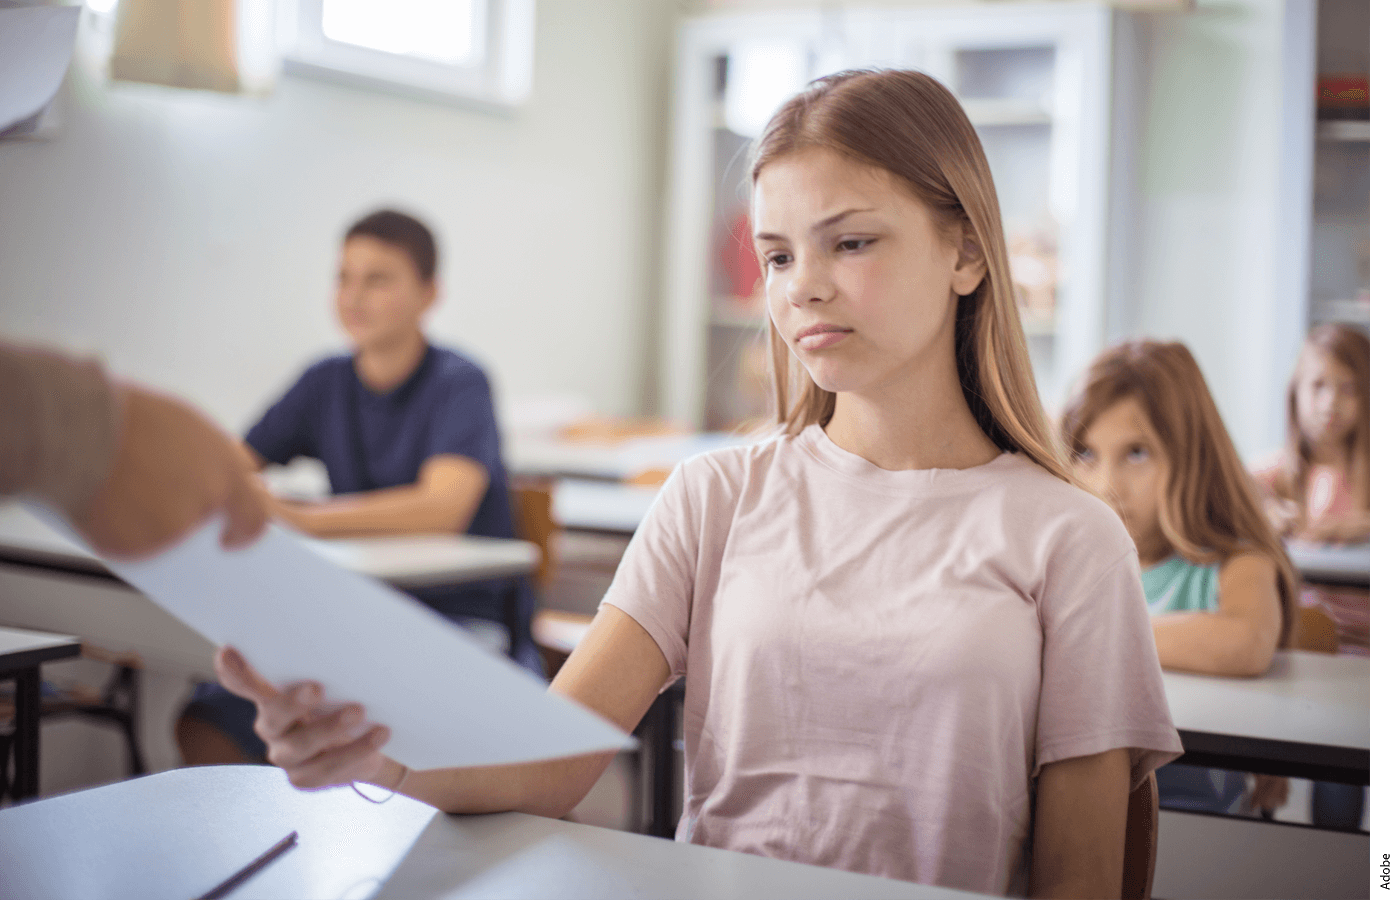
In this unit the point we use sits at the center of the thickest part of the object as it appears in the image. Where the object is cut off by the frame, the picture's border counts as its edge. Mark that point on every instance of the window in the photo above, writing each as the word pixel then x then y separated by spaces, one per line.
pixel 480 52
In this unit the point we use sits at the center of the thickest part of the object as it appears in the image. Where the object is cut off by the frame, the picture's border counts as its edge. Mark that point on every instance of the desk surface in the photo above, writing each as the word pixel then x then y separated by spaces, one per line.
pixel 604 506
pixel 21 649
pixel 1309 709
pixel 608 460
pixel 1332 563
pixel 405 561
pixel 202 824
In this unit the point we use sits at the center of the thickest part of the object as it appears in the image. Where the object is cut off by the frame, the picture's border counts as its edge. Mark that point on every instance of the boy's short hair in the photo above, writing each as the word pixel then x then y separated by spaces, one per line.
pixel 404 231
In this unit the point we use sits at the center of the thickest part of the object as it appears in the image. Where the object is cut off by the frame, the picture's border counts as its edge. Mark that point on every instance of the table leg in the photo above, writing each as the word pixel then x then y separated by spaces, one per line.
pixel 26 737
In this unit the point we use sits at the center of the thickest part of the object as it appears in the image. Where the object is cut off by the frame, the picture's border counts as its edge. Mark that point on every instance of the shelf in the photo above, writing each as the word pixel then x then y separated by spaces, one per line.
pixel 1006 112
pixel 1344 130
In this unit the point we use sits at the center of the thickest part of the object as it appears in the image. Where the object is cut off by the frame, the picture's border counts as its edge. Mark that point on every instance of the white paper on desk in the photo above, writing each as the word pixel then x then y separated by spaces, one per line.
pixel 295 615
pixel 36 43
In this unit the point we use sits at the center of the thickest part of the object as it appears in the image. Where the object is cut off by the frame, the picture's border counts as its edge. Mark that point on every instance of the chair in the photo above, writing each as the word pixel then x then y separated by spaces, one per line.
pixel 1313 630
pixel 1140 842
pixel 116 703
pixel 531 502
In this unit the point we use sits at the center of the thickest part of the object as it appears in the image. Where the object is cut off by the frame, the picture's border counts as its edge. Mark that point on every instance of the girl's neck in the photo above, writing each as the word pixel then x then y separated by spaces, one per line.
pixel 383 367
pixel 899 430
pixel 1333 455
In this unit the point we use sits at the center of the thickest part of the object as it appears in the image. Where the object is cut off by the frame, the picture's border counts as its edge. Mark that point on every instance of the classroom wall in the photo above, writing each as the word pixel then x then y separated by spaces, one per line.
pixel 191 238
pixel 1221 196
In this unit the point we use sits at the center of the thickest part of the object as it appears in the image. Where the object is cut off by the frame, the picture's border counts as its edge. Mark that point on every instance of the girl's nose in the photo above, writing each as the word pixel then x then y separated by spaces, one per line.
pixel 809 283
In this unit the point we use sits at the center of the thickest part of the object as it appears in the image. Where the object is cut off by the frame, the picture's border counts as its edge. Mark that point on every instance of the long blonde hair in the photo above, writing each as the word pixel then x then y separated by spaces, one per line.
pixel 1352 350
pixel 1209 508
pixel 909 125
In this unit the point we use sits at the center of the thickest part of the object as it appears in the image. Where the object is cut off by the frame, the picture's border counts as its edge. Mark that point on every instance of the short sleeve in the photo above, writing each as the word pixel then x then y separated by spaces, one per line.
pixel 464 421
pixel 288 429
pixel 1101 682
pixel 655 581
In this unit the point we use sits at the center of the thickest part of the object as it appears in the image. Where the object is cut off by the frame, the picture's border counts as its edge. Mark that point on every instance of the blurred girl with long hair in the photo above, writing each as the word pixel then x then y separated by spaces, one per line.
pixel 1144 433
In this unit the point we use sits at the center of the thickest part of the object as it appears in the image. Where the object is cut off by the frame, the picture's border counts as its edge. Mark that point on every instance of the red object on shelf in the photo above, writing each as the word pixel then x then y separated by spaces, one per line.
pixel 741 268
pixel 1343 91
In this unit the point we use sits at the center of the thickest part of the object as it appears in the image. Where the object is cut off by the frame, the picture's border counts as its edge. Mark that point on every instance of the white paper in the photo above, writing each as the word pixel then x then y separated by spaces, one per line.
pixel 295 615
pixel 35 45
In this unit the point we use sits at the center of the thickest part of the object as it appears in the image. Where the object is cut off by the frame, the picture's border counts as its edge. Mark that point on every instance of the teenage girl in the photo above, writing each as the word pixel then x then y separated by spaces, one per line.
pixel 911 647
pixel 1143 432
pixel 1318 489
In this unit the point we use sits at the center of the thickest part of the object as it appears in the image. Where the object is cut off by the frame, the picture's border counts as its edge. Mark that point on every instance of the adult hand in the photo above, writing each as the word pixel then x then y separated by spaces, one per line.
pixel 1284 515
pixel 173 470
pixel 316 744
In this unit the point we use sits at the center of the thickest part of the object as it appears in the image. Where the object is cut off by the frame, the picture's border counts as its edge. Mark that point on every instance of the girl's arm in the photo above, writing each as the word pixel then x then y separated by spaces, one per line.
pixel 1081 822
pixel 617 671
pixel 1237 639
pixel 1352 528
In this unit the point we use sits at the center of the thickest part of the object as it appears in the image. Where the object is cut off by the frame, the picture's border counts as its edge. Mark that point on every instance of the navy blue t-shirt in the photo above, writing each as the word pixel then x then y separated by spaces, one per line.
pixel 370 441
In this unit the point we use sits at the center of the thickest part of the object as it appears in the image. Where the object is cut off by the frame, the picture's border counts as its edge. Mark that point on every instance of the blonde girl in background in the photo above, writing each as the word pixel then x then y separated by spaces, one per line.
pixel 911 647
pixel 1144 433
pixel 1318 489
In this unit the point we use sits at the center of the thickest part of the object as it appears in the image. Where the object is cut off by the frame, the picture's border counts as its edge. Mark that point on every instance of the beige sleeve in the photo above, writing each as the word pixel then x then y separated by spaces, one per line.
pixel 60 422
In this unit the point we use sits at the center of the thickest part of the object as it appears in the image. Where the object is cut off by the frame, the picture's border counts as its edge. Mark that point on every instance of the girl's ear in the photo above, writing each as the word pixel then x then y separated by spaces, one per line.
pixel 971 267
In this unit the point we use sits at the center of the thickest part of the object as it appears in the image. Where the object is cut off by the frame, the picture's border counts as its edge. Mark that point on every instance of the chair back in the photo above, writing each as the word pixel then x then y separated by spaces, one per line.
pixel 1140 842
pixel 531 503
pixel 1313 629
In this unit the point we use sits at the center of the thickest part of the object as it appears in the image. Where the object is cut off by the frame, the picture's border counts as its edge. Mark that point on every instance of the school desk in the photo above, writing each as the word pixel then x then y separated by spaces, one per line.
pixel 21 654
pixel 607 460
pixel 1308 716
pixel 1339 564
pixel 602 507
pixel 197 826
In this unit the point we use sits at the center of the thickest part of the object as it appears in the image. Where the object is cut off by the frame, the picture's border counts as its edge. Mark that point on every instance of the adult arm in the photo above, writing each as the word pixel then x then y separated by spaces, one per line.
pixel 1081 821
pixel 1237 639
pixel 443 499
pixel 133 470
pixel 617 671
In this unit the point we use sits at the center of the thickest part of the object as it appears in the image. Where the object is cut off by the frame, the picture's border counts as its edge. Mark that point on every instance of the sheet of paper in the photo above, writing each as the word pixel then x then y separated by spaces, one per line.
pixel 36 43
pixel 296 615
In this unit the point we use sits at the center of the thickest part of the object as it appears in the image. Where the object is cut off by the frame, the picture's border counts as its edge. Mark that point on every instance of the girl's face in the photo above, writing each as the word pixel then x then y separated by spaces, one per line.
pixel 861 285
pixel 1124 463
pixel 380 297
pixel 1328 404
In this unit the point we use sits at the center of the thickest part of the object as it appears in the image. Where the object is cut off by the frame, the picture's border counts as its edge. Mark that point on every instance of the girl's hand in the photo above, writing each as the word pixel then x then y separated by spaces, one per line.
pixel 1284 515
pixel 317 745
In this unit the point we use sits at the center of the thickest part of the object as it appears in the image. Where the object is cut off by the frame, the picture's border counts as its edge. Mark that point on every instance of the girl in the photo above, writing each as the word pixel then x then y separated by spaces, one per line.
pixel 1319 487
pixel 1144 433
pixel 911 647
pixel 1319 490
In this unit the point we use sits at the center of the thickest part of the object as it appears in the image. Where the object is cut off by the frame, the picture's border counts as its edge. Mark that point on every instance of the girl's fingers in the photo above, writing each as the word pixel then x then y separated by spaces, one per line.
pixel 358 760
pixel 316 734
pixel 240 678
pixel 278 709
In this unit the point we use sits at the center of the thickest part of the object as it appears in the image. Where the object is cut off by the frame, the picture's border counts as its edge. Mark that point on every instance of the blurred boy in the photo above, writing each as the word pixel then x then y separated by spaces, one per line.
pixel 408 436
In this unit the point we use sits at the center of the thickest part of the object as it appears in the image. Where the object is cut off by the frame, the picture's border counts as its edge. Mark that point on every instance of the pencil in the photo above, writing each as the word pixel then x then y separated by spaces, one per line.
pixel 225 887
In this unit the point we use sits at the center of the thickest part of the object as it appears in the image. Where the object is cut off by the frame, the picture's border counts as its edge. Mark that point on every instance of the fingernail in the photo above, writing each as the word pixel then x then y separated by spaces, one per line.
pixel 306 695
pixel 351 715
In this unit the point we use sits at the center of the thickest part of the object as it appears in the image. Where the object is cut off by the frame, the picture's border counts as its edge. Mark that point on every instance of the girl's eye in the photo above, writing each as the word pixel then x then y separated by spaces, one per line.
pixel 1084 456
pixel 1137 453
pixel 854 243
pixel 778 260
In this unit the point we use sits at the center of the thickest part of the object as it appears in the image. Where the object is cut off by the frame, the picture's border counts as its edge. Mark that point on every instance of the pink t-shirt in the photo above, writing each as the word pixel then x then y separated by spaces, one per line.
pixel 878 663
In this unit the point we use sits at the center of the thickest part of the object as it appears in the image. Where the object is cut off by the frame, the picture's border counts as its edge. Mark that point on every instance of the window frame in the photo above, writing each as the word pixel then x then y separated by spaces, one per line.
pixel 498 79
